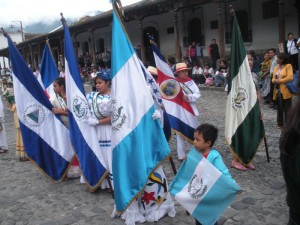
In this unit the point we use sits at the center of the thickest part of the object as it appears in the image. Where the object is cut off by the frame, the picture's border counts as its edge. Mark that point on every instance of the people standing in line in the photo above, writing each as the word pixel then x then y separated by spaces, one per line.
pixel 283 73
pixel 100 106
pixel 59 102
pixel 264 76
pixel 290 161
pixel 273 57
pixel 291 48
pixel 192 53
pixel 3 139
pixel 191 95
pixel 199 51
pixel 204 138
pixel 256 62
pixel 213 51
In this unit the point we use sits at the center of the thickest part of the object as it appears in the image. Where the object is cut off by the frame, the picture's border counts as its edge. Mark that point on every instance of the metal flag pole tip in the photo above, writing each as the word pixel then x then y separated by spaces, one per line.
pixel 63 20
pixel 231 10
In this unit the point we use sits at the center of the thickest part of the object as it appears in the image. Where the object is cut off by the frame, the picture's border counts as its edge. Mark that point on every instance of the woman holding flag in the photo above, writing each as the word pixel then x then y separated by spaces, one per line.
pixel 100 107
pixel 59 102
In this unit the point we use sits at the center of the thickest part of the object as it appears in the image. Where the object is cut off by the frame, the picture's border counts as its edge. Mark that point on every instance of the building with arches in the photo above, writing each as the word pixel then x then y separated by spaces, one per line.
pixel 174 24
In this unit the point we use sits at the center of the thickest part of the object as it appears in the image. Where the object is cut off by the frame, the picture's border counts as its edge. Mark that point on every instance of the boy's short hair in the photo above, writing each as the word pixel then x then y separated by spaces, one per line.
pixel 209 132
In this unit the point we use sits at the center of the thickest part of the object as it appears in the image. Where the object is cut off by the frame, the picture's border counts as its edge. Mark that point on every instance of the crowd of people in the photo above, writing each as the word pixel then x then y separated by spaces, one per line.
pixel 270 76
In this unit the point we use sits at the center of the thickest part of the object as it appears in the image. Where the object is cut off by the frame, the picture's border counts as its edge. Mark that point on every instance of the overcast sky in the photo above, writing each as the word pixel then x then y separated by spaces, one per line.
pixel 30 11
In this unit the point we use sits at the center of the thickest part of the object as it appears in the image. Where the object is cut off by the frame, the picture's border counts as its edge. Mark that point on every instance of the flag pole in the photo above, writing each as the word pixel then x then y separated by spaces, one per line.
pixel 48 43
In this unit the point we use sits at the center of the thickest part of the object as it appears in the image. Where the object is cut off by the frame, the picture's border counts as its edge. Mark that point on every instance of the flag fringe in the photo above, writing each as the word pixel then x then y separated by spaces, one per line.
pixel 94 188
pixel 43 172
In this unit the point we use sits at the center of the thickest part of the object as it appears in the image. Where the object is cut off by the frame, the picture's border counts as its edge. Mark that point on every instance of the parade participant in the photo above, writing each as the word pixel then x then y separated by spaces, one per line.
pixel 290 161
pixel 283 73
pixel 3 139
pixel 204 138
pixel 100 106
pixel 59 102
pixel 191 95
pixel 20 150
pixel 154 202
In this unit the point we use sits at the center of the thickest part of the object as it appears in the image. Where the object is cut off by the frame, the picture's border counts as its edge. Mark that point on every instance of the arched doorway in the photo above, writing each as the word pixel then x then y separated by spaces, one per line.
pixel 149 59
pixel 194 32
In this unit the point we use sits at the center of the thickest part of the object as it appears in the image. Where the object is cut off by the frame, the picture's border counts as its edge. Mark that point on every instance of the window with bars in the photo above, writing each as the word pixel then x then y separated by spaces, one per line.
pixel 242 10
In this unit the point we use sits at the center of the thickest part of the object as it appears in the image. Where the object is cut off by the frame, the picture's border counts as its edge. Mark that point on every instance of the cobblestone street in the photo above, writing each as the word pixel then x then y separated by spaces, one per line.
pixel 28 197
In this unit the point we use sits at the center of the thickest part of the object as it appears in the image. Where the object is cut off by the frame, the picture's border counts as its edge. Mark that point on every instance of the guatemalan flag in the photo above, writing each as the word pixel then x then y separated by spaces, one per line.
pixel 83 136
pixel 244 128
pixel 46 139
pixel 138 141
pixel 202 189
pixel 180 113
pixel 48 71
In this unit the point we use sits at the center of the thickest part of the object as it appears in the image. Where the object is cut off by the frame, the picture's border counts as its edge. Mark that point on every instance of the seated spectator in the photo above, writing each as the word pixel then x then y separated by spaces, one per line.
pixel 221 73
pixel 196 73
pixel 208 72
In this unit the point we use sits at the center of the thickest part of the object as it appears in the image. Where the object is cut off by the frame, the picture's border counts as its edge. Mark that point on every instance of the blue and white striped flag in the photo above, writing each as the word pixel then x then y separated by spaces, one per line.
pixel 48 71
pixel 138 141
pixel 202 189
pixel 83 136
pixel 45 137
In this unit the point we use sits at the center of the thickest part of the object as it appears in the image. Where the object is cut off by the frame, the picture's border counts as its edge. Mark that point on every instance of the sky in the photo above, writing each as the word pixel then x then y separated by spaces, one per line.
pixel 31 11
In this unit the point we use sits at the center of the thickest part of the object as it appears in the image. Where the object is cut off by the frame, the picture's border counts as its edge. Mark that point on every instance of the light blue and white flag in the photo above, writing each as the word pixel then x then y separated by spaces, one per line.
pixel 138 141
pixel 83 136
pixel 48 71
pixel 46 139
pixel 202 189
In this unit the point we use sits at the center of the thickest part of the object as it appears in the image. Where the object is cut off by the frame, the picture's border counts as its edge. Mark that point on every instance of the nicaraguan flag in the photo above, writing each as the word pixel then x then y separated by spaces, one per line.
pixel 48 71
pixel 83 136
pixel 46 139
pixel 180 113
pixel 138 141
pixel 244 129
pixel 202 189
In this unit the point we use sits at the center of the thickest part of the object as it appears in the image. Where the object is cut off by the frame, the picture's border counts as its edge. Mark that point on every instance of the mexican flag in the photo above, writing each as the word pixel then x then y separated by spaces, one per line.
pixel 244 128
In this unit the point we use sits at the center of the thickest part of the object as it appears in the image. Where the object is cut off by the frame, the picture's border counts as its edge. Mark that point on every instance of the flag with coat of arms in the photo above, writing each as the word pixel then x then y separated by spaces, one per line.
pixel 46 139
pixel 83 136
pixel 244 128
pixel 202 189
pixel 181 115
pixel 138 142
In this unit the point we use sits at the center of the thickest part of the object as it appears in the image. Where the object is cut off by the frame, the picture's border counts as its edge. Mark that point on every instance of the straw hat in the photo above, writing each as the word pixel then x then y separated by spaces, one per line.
pixel 180 67
pixel 152 70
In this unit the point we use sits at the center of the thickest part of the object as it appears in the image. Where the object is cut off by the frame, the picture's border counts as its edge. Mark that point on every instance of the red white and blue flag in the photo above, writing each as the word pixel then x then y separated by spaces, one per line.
pixel 180 113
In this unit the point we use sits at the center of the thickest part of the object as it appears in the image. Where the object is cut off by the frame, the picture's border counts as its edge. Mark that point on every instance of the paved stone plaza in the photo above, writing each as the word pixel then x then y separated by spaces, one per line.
pixel 28 197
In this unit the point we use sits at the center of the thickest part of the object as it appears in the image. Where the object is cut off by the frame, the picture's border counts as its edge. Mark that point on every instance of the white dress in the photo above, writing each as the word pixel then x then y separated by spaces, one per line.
pixel 100 106
pixel 153 203
pixel 3 139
